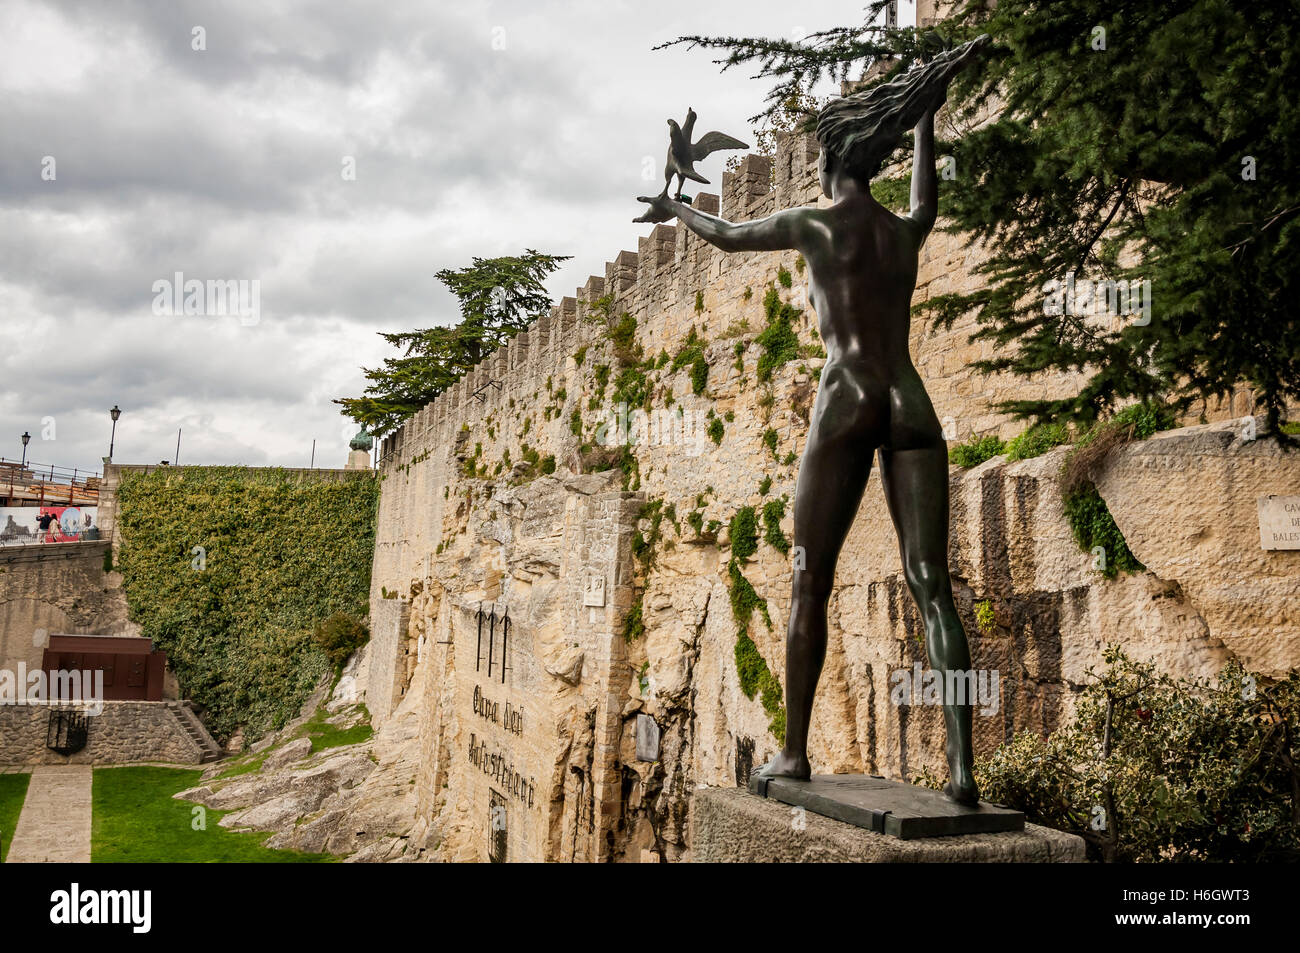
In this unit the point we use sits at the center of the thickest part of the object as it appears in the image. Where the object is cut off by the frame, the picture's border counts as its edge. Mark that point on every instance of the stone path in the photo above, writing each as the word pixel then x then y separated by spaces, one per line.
pixel 54 826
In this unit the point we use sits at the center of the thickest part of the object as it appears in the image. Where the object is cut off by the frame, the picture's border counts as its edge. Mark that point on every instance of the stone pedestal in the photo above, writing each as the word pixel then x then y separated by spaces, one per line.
pixel 730 825
pixel 905 811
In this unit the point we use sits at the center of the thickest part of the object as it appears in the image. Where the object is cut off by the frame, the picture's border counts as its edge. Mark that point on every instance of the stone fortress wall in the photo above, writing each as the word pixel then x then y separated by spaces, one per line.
pixel 605 738
pixel 53 589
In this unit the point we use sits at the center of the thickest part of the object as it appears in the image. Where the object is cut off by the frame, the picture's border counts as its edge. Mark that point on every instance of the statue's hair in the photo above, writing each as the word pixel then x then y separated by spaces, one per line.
pixel 861 130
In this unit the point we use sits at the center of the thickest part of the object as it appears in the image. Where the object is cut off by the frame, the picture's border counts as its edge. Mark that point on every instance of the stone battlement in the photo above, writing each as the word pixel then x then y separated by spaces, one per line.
pixel 664 274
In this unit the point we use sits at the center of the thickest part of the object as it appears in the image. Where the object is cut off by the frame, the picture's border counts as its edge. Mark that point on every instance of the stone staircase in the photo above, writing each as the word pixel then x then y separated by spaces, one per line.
pixel 195 729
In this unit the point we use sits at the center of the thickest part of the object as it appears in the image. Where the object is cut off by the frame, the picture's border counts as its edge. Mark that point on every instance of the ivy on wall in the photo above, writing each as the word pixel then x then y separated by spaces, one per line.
pixel 229 570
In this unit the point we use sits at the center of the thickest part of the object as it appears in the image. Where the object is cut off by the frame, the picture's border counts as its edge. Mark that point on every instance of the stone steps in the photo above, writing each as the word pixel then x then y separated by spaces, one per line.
pixel 195 729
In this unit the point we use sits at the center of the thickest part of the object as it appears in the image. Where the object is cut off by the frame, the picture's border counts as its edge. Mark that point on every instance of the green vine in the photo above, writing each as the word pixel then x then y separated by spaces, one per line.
pixel 230 569
pixel 755 677
pixel 778 340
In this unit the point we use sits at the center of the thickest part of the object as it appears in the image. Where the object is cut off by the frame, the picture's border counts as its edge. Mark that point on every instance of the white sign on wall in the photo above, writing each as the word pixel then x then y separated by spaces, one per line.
pixel 1279 522
pixel 594 594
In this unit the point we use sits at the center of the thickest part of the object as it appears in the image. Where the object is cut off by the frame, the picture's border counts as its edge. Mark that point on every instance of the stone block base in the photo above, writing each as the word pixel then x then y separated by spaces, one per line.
pixel 730 825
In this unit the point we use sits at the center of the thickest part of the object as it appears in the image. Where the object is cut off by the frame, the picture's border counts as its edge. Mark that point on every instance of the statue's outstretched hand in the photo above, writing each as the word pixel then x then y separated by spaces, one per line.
pixel 660 210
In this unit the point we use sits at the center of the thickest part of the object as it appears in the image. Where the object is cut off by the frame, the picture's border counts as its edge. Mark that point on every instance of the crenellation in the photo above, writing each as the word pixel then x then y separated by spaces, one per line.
pixel 647 262
pixel 570 306
pixel 663 243
pixel 740 189
pixel 528 350
pixel 796 163
pixel 593 289
pixel 620 274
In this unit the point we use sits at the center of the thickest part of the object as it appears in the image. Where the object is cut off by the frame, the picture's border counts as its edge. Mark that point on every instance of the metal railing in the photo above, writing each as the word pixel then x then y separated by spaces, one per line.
pixel 47 484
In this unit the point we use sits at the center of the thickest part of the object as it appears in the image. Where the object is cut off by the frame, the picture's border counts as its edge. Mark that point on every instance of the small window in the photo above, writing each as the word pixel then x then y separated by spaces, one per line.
pixel 497 828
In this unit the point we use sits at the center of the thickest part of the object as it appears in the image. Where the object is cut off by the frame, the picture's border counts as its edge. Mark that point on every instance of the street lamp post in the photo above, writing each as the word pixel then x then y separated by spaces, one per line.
pixel 27 438
pixel 114 413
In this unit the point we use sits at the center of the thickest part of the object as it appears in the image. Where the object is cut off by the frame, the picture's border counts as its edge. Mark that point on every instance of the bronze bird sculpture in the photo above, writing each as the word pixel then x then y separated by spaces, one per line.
pixel 683 154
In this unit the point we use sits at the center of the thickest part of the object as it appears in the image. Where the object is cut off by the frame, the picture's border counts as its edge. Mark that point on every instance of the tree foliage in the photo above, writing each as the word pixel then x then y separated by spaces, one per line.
pixel 498 297
pixel 1151 141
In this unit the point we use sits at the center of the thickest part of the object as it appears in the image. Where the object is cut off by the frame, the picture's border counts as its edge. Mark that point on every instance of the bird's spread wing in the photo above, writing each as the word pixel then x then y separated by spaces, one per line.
pixel 713 142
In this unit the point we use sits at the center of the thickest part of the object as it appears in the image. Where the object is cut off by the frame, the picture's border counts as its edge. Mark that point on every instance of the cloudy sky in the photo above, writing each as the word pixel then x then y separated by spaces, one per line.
pixel 473 128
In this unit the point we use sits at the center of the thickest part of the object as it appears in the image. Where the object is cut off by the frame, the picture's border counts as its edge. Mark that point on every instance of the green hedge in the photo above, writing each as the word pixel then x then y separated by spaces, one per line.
pixel 282 551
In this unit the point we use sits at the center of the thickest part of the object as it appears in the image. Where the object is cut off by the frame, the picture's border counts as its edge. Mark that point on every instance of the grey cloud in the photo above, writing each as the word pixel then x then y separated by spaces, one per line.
pixel 226 164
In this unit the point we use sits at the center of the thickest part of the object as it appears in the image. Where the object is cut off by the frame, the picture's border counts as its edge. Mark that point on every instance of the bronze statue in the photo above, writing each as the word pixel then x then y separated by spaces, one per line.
pixel 862 263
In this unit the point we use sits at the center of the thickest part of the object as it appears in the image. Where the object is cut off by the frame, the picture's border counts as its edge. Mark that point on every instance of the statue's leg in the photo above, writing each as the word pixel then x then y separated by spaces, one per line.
pixel 833 473
pixel 916 488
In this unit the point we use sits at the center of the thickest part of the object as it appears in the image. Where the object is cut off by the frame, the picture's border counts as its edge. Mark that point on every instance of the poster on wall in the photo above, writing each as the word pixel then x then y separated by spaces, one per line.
pixel 21 525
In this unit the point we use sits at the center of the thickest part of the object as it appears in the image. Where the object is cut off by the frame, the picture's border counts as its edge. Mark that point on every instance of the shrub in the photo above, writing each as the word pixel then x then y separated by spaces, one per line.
pixel 699 376
pixel 1037 440
pixel 744 533
pixel 1178 769
pixel 1089 517
pixel 716 430
pixel 754 675
pixel 623 331
pixel 779 342
pixel 633 622
pixel 773 513
pixel 339 636
pixel 692 350
pixel 975 451
pixel 1092 525
pixel 623 335
pixel 632 388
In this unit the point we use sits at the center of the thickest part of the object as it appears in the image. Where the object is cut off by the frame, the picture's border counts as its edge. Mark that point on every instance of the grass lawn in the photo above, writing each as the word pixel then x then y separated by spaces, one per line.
pixel 13 789
pixel 324 735
pixel 135 820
